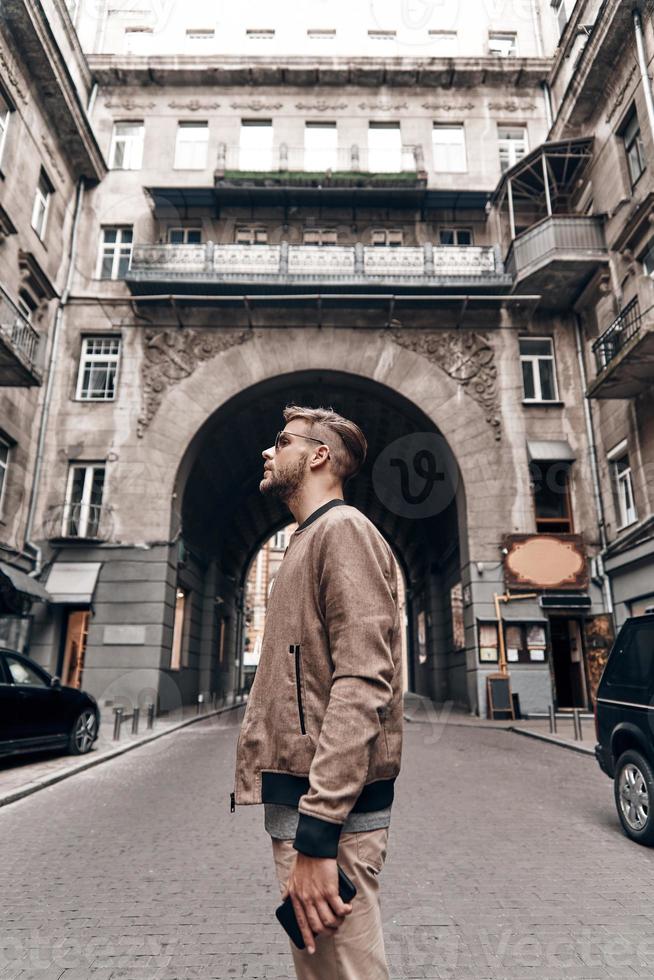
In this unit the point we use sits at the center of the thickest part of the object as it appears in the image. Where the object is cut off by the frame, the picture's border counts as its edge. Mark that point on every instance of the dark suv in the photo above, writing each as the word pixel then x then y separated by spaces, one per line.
pixel 624 723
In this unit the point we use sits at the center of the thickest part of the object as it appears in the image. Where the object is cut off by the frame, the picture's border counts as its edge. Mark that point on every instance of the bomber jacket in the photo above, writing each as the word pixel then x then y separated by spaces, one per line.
pixel 322 729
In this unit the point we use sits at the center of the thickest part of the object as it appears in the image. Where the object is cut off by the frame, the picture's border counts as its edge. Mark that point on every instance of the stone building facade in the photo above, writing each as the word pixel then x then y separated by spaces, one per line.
pixel 417 237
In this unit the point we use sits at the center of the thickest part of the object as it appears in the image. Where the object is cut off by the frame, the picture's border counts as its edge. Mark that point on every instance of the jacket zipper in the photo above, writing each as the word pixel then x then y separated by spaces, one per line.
pixel 295 647
pixel 232 802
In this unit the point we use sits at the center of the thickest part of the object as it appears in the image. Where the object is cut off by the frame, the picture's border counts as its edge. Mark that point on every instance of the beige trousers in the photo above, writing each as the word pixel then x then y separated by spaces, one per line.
pixel 356 950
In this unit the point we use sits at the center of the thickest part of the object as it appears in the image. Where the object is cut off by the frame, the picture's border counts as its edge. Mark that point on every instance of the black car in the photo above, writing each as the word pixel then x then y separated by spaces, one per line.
pixel 38 713
pixel 624 723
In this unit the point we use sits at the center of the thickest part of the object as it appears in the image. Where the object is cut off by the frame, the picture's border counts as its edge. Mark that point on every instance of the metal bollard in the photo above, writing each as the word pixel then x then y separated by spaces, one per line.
pixel 576 716
pixel 118 720
pixel 150 722
pixel 135 721
pixel 198 706
pixel 552 714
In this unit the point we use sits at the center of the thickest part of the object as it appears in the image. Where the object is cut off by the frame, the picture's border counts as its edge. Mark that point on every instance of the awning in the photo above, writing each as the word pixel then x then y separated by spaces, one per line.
pixel 22 582
pixel 73 581
pixel 552 450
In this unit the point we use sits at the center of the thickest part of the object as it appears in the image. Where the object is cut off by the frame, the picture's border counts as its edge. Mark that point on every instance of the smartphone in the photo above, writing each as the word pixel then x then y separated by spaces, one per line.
pixel 286 913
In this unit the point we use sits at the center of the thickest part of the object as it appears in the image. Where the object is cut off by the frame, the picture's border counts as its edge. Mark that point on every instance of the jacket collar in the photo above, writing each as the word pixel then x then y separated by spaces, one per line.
pixel 318 513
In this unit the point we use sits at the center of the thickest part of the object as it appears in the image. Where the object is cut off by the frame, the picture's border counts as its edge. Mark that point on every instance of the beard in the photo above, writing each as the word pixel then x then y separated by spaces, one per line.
pixel 285 482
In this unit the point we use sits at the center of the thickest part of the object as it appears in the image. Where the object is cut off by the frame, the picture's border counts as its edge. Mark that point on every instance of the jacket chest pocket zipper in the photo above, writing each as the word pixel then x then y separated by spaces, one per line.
pixel 295 649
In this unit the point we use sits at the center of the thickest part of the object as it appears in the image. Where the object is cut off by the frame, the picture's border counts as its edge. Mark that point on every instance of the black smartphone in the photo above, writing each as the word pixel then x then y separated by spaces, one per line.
pixel 286 913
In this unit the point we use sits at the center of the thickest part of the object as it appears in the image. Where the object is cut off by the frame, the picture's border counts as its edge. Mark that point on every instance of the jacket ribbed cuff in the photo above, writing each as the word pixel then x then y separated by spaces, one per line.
pixel 316 837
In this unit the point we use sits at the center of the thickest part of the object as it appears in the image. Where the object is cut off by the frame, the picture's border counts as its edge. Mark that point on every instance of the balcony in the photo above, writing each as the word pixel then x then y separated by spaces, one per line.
pixel 556 257
pixel 19 348
pixel 87 523
pixel 225 269
pixel 624 353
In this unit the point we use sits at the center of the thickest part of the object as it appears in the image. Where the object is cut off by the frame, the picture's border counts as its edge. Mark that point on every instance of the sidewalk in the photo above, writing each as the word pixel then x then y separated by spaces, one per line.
pixel 420 710
pixel 21 775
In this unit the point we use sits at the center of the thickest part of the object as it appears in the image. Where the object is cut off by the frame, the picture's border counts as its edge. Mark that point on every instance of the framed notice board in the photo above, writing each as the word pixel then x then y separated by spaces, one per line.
pixel 500 700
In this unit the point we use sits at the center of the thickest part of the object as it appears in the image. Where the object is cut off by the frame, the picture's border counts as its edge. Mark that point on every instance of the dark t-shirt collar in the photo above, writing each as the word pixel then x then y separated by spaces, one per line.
pixel 319 512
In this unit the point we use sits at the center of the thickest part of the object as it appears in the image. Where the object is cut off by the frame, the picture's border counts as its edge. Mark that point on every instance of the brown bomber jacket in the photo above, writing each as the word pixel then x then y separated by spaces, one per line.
pixel 323 724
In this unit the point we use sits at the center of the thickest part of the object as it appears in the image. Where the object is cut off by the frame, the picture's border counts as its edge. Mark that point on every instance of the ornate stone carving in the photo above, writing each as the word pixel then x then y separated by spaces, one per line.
pixel 383 106
pixel 620 94
pixel 465 356
pixel 51 156
pixel 321 105
pixel 449 106
pixel 169 356
pixel 193 105
pixel 10 72
pixel 129 104
pixel 512 105
pixel 256 105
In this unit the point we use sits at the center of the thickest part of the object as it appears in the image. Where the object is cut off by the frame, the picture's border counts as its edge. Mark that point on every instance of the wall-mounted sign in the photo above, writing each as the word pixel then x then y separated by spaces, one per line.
pixel 545 561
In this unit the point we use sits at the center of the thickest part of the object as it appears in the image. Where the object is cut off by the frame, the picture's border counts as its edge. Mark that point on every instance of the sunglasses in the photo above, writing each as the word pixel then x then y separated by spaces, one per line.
pixel 281 440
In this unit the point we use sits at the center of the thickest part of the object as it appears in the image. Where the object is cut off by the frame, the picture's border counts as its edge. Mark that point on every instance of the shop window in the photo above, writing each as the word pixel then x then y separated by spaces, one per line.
pixel 179 651
pixel 488 643
pixel 525 643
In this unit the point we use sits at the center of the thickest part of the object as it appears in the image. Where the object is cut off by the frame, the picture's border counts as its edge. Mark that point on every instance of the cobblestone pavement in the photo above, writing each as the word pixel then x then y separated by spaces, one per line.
pixel 505 860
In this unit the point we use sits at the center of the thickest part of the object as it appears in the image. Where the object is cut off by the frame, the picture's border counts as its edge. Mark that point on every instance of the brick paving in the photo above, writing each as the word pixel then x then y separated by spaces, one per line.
pixel 505 861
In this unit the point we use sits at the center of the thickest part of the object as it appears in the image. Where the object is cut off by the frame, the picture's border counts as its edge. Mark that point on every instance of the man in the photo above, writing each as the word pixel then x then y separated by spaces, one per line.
pixel 321 739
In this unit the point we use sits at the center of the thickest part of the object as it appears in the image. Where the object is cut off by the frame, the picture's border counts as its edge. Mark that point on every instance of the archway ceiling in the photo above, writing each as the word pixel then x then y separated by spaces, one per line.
pixel 225 516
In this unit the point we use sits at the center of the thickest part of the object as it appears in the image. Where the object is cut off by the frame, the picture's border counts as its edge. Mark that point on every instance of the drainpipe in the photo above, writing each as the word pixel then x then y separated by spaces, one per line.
pixel 547 99
pixel 642 64
pixel 594 469
pixel 52 362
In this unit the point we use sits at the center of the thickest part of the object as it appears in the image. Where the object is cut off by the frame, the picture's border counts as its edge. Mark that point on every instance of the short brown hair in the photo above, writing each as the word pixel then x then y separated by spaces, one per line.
pixel 348 450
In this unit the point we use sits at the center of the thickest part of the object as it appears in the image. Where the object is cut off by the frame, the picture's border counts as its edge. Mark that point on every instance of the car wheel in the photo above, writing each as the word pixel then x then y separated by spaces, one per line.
pixel 634 796
pixel 83 732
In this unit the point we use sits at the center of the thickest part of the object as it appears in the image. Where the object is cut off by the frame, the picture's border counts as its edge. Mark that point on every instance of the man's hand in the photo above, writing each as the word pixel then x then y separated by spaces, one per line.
pixel 313 887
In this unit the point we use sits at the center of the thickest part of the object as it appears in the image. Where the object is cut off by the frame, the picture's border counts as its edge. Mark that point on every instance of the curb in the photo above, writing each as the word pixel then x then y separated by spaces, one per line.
pixel 540 736
pixel 57 777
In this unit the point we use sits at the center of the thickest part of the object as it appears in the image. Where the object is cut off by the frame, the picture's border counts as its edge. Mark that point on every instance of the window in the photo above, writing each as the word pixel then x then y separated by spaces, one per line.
pixel 445 43
pixel 138 39
pixel 279 540
pixel 630 664
pixel 191 146
pixel 449 148
pixel 387 236
pixel 550 482
pixel 185 236
pixel 317 34
pixel 648 258
pixel 197 39
pixel 320 146
pixel 260 34
pixel 561 14
pixel 5 112
pixel 179 651
pixel 26 304
pixel 115 252
pixel 382 35
pixel 24 674
pixel 623 489
pixel 455 236
pixel 633 147
pixel 502 44
pixel 82 508
pixel 255 145
pixel 44 190
pixel 5 450
pixel 126 151
pixel 538 374
pixel 98 368
pixel 525 643
pixel 384 147
pixel 488 642
pixel 250 235
pixel 512 142
pixel 320 236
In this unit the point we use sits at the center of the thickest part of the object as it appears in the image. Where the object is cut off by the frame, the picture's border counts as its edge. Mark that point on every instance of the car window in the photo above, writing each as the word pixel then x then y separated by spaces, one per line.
pixel 4 676
pixel 22 674
pixel 633 663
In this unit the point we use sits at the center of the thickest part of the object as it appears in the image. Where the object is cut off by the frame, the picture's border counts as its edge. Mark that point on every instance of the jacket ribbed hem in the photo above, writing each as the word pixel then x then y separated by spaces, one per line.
pixel 316 837
pixel 287 788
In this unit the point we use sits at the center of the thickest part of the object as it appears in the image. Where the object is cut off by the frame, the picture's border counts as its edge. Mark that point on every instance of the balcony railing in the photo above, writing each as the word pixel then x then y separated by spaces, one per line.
pixel 239 160
pixel 325 264
pixel 19 346
pixel 556 236
pixel 82 521
pixel 625 326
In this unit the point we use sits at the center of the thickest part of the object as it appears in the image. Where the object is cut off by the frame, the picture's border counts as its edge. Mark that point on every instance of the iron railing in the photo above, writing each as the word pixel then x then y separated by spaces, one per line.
pixel 18 333
pixel 303 159
pixel 625 326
